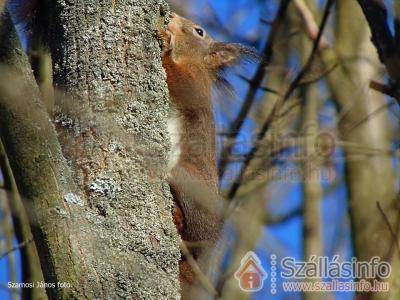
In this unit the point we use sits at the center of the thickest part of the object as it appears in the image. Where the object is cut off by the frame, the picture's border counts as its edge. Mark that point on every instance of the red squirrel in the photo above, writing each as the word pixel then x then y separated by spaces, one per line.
pixel 194 63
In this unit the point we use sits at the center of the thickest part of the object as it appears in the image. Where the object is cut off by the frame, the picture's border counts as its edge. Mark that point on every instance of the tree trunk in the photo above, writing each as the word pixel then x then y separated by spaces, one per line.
pixel 310 161
pixel 101 204
pixel 370 178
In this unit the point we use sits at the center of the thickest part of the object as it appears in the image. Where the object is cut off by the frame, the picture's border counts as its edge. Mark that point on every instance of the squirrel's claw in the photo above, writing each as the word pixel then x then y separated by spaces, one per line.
pixel 166 38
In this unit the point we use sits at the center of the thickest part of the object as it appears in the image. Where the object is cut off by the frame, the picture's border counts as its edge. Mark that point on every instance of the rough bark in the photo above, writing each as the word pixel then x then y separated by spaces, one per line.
pixel 102 207
pixel 107 59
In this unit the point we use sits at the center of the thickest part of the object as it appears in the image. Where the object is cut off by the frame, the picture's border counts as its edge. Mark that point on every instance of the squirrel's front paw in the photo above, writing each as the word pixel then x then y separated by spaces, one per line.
pixel 166 39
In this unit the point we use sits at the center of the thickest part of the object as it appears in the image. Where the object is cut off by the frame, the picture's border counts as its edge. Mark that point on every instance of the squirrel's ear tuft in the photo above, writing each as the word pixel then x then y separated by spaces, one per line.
pixel 223 55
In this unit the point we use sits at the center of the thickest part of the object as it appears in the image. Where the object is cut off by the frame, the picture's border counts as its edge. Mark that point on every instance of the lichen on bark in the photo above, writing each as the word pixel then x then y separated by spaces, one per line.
pixel 111 107
pixel 109 65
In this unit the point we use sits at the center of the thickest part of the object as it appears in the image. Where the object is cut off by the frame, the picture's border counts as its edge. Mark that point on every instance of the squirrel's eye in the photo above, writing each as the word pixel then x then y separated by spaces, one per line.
pixel 200 32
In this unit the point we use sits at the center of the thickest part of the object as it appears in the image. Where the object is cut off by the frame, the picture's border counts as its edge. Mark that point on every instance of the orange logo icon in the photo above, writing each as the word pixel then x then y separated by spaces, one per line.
pixel 250 274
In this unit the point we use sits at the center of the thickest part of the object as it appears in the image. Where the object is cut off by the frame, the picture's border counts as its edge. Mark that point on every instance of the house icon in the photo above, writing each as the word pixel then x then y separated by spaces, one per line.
pixel 250 274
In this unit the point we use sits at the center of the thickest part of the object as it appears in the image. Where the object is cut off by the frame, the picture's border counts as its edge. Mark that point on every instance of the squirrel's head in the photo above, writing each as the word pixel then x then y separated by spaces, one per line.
pixel 191 42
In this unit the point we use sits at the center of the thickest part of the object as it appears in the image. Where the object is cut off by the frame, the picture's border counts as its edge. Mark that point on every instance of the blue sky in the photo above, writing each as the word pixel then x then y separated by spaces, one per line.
pixel 289 234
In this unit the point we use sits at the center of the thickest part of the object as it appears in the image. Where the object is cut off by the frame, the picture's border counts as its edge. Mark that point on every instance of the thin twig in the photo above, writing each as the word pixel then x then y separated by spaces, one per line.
pixel 278 220
pixel 236 184
pixel 265 89
pixel 367 118
pixel 31 270
pixel 314 51
pixel 384 89
pixel 389 226
pixel 266 22
pixel 8 232
pixel 196 270
pixel 310 24
pixel 254 85
pixel 17 247
pixel 319 77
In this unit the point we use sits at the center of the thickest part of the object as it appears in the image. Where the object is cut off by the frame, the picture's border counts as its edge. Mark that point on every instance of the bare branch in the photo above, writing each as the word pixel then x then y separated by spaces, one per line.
pixel 31 270
pixel 385 89
pixel 376 15
pixel 17 247
pixel 389 226
pixel 278 220
pixel 314 50
pixel 254 85
pixel 377 111
pixel 238 181
pixel 386 44
pixel 319 76
pixel 310 24
pixel 205 282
